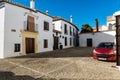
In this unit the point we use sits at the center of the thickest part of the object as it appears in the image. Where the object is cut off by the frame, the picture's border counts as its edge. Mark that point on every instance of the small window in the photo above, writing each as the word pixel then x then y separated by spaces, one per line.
pixel 45 43
pixel 46 26
pixel 17 48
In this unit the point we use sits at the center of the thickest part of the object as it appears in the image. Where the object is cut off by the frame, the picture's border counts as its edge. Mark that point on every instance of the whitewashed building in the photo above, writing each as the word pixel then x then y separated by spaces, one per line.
pixel 24 30
pixel 106 33
pixel 93 39
pixel 65 33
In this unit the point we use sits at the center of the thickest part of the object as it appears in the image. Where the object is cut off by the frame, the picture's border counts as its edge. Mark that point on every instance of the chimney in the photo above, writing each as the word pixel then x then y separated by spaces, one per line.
pixel 32 4
pixel 97 26
pixel 71 18
pixel 47 12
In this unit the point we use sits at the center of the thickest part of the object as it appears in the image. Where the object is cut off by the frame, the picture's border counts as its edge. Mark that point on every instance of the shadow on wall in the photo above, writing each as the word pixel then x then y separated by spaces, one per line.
pixel 108 36
pixel 12 76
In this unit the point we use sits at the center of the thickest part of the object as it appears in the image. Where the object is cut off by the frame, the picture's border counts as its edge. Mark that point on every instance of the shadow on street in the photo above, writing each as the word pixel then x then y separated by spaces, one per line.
pixel 7 75
pixel 70 52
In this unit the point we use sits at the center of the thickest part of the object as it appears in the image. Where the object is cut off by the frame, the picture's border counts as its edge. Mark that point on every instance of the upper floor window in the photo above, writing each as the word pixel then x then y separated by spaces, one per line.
pixel 30 23
pixel 65 28
pixel 46 25
pixel 73 31
pixel 53 26
pixel 70 31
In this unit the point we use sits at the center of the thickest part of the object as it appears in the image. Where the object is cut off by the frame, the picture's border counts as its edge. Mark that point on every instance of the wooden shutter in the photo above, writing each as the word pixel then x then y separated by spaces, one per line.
pixel 30 24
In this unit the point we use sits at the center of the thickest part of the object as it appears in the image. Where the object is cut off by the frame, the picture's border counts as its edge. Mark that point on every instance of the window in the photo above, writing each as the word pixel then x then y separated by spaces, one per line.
pixel 45 43
pixel 46 26
pixel 30 24
pixel 53 26
pixel 17 48
pixel 73 32
pixel 70 31
pixel 65 28
pixel 65 41
pixel 106 45
pixel 110 26
pixel 70 41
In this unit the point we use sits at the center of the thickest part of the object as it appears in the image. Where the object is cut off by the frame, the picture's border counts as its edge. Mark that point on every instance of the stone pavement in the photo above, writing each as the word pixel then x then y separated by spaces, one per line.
pixel 68 64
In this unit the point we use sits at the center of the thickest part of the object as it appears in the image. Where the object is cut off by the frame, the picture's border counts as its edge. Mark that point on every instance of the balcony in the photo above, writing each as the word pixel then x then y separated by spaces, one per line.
pixel 31 28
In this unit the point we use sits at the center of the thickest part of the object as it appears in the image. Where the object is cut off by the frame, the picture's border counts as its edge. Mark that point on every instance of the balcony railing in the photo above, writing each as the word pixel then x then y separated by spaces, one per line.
pixel 26 27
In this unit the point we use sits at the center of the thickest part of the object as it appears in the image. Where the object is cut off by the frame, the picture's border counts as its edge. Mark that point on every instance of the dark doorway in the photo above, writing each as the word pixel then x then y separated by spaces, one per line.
pixel 56 41
pixel 89 42
pixel 29 45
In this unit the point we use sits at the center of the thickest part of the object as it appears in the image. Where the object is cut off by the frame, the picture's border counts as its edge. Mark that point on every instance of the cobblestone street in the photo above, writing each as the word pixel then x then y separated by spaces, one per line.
pixel 68 64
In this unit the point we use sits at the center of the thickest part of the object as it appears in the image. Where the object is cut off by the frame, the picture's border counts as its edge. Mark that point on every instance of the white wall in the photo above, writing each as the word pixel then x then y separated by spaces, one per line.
pixel 108 36
pixel 2 12
pixel 14 19
pixel 104 27
pixel 45 34
pixel 59 25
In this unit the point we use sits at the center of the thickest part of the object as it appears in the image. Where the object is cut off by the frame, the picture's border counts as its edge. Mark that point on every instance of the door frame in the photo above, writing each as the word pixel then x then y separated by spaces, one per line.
pixel 27 34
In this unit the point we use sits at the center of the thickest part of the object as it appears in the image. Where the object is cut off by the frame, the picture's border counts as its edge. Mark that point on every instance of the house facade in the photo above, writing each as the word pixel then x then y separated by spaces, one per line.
pixel 93 39
pixel 24 30
pixel 106 33
pixel 65 33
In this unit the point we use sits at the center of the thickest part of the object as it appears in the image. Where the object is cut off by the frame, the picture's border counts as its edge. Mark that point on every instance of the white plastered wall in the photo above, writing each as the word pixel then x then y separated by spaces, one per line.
pixel 2 17
pixel 108 36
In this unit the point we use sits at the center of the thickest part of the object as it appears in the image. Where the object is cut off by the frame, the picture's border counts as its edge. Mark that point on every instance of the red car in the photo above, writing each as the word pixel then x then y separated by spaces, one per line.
pixel 105 51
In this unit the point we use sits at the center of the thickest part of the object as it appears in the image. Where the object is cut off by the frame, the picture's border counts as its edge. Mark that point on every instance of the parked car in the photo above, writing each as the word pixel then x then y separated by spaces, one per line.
pixel 105 51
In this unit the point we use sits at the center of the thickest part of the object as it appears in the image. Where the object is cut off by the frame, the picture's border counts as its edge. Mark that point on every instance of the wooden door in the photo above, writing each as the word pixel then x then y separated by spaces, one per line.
pixel 89 42
pixel 30 45
pixel 56 41
pixel 118 39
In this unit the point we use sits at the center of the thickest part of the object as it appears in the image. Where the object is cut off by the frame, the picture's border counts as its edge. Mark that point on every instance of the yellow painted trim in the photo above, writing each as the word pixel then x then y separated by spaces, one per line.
pixel 27 34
